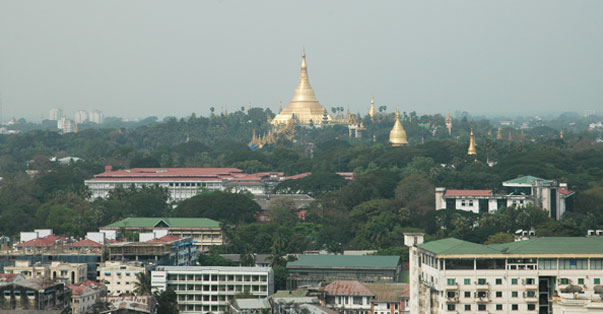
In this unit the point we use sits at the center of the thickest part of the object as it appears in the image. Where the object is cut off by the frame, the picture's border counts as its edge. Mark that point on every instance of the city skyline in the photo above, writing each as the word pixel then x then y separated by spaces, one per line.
pixel 157 59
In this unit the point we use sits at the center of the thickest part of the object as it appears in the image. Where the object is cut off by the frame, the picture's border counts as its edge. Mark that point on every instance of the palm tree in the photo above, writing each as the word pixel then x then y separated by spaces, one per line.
pixel 143 284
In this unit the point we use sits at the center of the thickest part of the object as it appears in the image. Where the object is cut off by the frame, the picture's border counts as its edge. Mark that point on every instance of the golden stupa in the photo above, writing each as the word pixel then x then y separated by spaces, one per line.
pixel 471 151
pixel 397 136
pixel 372 112
pixel 499 134
pixel 449 124
pixel 304 106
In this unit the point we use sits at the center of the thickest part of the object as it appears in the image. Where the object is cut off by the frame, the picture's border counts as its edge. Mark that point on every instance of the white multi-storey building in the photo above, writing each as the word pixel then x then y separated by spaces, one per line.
pixel 204 289
pixel 552 196
pixel 66 125
pixel 182 183
pixel 455 276
pixel 97 116
pixel 55 114
pixel 120 277
pixel 81 116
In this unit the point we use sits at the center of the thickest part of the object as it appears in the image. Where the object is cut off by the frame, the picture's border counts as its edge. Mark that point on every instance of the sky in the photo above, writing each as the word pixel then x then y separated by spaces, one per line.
pixel 140 58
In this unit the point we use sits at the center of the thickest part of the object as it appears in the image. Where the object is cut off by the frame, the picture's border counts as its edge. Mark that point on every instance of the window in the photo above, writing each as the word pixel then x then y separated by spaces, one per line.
pixel 531 294
pixel 499 281
pixel 499 307
pixel 564 281
pixel 358 300
pixel 467 281
pixel 481 281
pixel 596 263
pixel 463 203
pixel 451 307
pixel 499 294
pixel 451 281
pixel 481 307
pixel 514 294
pixel 597 281
pixel 573 263
pixel 531 307
pixel 513 281
pixel 514 307
pixel 580 281
pixel 530 281
pixel 467 294
pixel 467 307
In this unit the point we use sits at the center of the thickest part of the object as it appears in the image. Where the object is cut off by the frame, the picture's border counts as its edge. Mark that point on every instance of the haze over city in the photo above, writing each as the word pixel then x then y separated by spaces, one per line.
pixel 142 58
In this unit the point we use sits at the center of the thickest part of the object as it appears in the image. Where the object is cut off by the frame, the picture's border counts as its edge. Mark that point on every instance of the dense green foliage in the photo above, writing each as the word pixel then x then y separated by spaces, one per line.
pixel 392 190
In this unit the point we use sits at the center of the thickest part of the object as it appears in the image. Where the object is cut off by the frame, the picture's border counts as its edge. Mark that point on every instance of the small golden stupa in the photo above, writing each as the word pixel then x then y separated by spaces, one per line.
pixel 304 106
pixel 397 136
pixel 372 112
pixel 449 124
pixel 471 151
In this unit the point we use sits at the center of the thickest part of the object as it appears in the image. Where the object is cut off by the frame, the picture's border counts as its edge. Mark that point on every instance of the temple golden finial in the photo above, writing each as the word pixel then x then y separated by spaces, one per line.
pixel 397 136
pixel 449 124
pixel 560 133
pixel 471 151
pixel 372 112
pixel 499 134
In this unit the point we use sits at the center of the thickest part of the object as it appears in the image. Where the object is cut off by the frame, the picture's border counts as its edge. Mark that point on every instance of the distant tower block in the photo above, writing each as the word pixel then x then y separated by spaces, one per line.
pixel 499 134
pixel 449 124
pixel 397 136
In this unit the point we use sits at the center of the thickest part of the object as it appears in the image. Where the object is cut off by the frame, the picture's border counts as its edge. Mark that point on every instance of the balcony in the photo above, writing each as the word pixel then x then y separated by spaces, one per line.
pixel 532 299
pixel 452 287
pixel 454 299
pixel 481 286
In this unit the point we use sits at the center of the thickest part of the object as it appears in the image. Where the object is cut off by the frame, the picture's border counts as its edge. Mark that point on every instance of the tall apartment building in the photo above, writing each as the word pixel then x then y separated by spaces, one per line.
pixel 550 195
pixel 204 289
pixel 96 116
pixel 81 116
pixel 455 276
pixel 65 125
pixel 55 114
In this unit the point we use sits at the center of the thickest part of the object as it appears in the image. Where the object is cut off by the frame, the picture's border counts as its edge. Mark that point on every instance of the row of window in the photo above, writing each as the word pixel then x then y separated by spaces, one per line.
pixel 512 264
pixel 482 307
pixel 486 294
pixel 498 281
pixel 235 288
pixel 249 278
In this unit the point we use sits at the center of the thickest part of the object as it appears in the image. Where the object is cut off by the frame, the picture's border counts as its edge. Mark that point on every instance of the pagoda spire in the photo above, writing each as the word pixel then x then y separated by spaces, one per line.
pixel 397 136
pixel 471 151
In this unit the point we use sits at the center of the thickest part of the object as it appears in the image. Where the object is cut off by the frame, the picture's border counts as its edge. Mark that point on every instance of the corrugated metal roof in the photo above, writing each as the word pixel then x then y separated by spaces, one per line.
pixel 145 222
pixel 480 193
pixel 347 287
pixel 525 180
pixel 368 261
pixel 547 245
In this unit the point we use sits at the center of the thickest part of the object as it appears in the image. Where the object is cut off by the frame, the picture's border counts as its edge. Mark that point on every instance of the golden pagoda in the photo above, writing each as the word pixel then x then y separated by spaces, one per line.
pixel 254 141
pixel 76 129
pixel 372 112
pixel 499 134
pixel 304 105
pixel 397 136
pixel 471 151
pixel 449 124
pixel 561 134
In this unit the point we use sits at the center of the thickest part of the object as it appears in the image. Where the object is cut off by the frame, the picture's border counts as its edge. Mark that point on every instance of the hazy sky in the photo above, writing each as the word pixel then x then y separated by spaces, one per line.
pixel 136 58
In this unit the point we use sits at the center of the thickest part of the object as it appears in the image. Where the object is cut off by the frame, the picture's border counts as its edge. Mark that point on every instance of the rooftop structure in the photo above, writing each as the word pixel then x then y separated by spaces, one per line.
pixel 165 250
pixel 34 294
pixel 452 275
pixel 304 107
pixel 249 306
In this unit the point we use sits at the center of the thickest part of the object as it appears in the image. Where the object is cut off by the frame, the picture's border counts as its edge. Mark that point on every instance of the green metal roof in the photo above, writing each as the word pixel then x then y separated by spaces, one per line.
pixel 375 261
pixel 144 222
pixel 529 180
pixel 456 246
pixel 548 245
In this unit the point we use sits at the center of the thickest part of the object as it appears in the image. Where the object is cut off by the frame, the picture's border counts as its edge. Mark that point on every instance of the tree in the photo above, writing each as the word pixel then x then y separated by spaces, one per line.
pixel 167 302
pixel 416 193
pixel 500 237
pixel 232 208
pixel 142 286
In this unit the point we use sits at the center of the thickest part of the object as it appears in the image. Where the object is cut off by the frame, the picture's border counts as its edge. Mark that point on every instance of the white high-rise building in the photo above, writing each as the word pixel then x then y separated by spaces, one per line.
pixel 455 276
pixel 81 116
pixel 55 114
pixel 96 116
pixel 66 125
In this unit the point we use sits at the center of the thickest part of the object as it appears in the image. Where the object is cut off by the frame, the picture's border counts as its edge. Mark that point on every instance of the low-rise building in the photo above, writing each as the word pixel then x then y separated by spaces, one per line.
pixel 69 273
pixel 204 289
pixel 34 294
pixel 204 231
pixel 260 260
pixel 249 306
pixel 85 295
pixel 312 270
pixel 450 275
pixel 550 195
pixel 348 297
pixel 120 277
pixel 130 305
